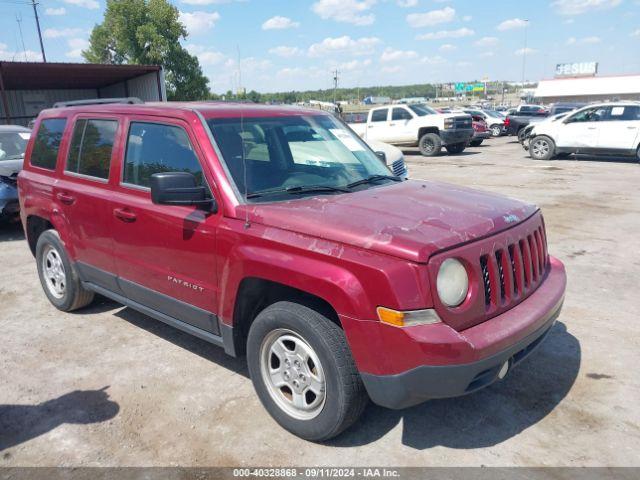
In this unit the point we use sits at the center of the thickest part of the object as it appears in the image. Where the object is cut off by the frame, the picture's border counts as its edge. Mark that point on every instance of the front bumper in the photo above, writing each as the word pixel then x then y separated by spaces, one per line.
pixel 456 135
pixel 456 363
pixel 9 206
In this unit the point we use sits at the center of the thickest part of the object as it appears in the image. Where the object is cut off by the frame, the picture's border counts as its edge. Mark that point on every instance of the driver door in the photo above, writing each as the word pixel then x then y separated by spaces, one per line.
pixel 581 131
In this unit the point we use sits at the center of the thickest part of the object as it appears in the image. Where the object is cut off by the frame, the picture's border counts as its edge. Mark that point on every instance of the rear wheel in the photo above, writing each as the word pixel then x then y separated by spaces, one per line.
pixel 638 154
pixel 456 148
pixel 541 148
pixel 303 372
pixel 475 143
pixel 496 130
pixel 430 144
pixel 58 275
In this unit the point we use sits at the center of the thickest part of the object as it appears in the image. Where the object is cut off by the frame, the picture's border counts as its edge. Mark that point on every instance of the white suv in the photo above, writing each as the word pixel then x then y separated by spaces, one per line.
pixel 601 129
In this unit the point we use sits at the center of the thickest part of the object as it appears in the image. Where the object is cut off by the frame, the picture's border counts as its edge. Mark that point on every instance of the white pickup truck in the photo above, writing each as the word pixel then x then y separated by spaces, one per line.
pixel 417 125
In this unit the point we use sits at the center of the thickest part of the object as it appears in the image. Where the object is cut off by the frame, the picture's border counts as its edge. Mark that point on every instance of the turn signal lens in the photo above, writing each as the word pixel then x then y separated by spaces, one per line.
pixel 408 318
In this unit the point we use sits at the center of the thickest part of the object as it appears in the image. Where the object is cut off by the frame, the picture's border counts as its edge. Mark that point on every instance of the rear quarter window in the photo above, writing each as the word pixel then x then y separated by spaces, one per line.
pixel 47 143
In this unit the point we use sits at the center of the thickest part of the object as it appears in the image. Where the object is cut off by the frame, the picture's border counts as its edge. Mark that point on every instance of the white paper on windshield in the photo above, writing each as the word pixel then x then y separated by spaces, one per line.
pixel 24 135
pixel 347 140
pixel 615 111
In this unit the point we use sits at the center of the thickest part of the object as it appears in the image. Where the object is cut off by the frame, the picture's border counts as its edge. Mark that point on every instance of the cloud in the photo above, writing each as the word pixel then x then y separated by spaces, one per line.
pixel 391 55
pixel 461 32
pixel 525 51
pixel 77 45
pixel 511 24
pixel 429 19
pixel 578 7
pixel 486 54
pixel 345 11
pixel 344 45
pixel 63 32
pixel 208 2
pixel 463 64
pixel 583 41
pixel 90 4
pixel 486 42
pixel 407 3
pixel 394 69
pixel 635 33
pixel 354 65
pixel 279 23
pixel 437 60
pixel 447 47
pixel 285 52
pixel 467 18
pixel 206 56
pixel 22 55
pixel 199 22
pixel 55 12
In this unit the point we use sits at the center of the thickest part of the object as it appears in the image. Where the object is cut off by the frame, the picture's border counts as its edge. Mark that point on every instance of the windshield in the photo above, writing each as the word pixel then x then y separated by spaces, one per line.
pixel 293 154
pixel 13 145
pixel 422 110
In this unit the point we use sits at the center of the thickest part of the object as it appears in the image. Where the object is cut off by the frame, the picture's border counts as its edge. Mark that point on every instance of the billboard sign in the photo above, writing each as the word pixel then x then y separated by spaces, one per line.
pixel 581 69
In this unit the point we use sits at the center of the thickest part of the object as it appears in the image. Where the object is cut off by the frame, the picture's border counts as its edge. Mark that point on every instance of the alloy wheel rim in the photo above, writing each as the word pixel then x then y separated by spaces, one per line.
pixel 427 145
pixel 540 148
pixel 54 273
pixel 496 131
pixel 293 374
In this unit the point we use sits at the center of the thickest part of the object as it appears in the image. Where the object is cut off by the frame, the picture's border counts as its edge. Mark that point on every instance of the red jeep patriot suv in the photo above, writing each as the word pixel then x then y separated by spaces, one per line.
pixel 277 232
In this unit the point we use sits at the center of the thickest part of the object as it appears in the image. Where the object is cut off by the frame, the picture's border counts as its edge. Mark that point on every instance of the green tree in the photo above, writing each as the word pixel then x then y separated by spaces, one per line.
pixel 148 32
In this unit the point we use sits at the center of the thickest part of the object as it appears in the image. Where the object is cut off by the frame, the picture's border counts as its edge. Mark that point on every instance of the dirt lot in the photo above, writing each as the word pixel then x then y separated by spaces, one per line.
pixel 109 386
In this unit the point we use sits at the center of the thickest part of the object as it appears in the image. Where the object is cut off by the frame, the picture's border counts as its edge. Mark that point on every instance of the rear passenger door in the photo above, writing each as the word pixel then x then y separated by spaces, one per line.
pixel 83 195
pixel 620 127
pixel 400 127
pixel 165 254
pixel 377 126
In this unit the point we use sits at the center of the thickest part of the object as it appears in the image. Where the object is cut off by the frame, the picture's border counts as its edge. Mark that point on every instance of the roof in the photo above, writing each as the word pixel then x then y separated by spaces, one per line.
pixel 576 87
pixel 207 109
pixel 39 76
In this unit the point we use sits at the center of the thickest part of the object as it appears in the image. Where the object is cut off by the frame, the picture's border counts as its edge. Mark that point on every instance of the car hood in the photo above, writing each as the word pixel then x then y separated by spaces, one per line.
pixel 10 167
pixel 410 220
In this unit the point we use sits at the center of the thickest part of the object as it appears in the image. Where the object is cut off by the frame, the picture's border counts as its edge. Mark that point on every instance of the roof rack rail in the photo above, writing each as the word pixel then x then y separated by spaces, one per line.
pixel 98 101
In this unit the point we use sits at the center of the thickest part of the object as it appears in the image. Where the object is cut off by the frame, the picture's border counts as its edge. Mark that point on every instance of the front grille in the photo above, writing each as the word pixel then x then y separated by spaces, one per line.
pixel 504 269
pixel 512 272
pixel 398 168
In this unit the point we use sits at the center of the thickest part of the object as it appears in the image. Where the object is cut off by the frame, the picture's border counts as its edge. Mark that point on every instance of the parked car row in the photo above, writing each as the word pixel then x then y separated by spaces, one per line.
pixel 13 143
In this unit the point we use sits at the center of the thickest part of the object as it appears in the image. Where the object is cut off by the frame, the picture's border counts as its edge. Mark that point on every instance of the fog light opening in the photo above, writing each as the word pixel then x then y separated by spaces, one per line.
pixel 504 369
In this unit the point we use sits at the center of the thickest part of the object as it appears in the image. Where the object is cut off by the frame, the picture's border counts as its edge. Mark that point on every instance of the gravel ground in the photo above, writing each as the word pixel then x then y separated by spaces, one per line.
pixel 109 386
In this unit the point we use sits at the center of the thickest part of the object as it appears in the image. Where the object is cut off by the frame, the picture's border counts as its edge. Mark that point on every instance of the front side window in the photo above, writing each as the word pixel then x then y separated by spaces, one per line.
pixel 155 148
pixel 281 155
pixel 379 115
pixel 400 114
pixel 47 143
pixel 595 114
pixel 91 147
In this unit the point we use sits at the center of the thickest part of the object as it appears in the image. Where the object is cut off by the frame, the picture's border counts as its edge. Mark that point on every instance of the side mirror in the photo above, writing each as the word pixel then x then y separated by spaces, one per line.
pixel 179 188
pixel 382 156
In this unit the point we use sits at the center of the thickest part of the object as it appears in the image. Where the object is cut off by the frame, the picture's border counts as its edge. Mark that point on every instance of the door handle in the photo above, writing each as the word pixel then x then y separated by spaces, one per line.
pixel 124 215
pixel 66 198
pixel 591 128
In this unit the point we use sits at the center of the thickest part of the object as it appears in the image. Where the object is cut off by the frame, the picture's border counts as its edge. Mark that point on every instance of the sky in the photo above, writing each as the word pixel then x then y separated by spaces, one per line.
pixel 296 44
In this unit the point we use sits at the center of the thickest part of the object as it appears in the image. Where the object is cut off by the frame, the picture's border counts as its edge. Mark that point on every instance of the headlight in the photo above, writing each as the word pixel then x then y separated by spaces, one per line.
pixel 452 282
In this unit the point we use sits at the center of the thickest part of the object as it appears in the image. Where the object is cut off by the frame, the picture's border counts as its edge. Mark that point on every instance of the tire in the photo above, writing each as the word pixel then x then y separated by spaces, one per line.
pixel 475 143
pixel 58 276
pixel 456 148
pixel 541 147
pixel 638 154
pixel 496 130
pixel 341 397
pixel 430 144
pixel 521 134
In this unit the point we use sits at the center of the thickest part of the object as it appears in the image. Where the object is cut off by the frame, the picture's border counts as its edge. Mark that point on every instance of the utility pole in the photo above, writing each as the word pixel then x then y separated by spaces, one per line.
pixel 335 85
pixel 524 51
pixel 19 20
pixel 35 11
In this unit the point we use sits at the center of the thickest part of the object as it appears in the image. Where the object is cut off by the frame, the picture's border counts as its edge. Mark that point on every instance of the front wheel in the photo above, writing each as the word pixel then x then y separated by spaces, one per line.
pixel 456 148
pixel 496 130
pixel 430 144
pixel 541 148
pixel 303 371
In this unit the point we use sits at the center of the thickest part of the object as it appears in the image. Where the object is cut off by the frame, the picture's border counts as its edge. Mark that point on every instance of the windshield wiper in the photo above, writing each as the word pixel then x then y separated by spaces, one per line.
pixel 301 189
pixel 373 178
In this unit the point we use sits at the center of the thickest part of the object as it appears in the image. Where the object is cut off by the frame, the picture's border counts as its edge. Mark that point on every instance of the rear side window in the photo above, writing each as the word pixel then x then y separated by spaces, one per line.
pixel 47 143
pixel 154 148
pixel 91 147
pixel 400 114
pixel 379 115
